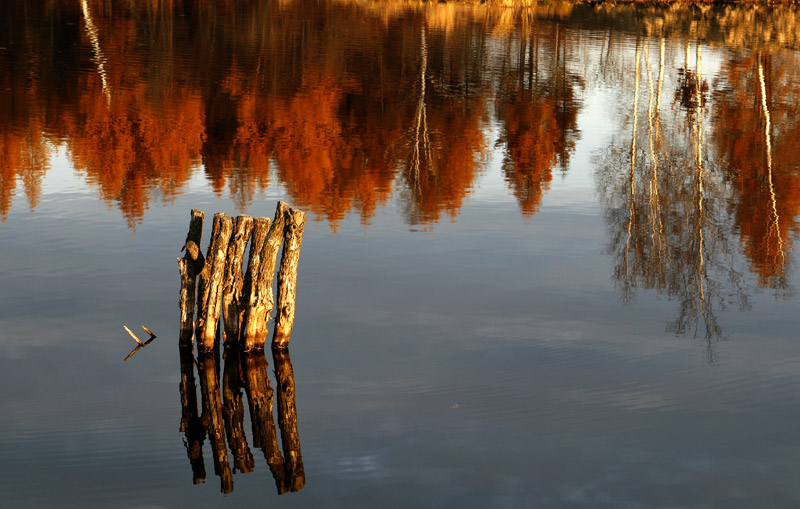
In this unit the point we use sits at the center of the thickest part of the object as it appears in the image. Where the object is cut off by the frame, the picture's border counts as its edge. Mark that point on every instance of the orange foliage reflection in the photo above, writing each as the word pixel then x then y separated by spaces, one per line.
pixel 342 130
pixel 757 123
pixel 129 150
pixel 539 115
pixel 142 93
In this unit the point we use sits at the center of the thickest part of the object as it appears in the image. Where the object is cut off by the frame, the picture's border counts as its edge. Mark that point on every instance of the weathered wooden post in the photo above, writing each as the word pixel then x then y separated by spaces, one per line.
pixel 287 277
pixel 232 306
pixel 260 274
pixel 190 265
pixel 253 290
pixel 209 298
pixel 287 421
pixel 244 300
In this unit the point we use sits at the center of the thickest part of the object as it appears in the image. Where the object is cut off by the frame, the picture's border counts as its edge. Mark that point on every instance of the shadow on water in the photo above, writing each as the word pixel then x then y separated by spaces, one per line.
pixel 220 416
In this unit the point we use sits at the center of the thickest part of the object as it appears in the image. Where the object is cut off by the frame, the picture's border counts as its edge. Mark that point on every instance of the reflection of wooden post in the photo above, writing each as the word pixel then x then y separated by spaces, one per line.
pixel 287 421
pixel 212 418
pixel 287 277
pixel 210 295
pixel 191 424
pixel 190 265
pixel 234 279
pixel 260 276
pixel 233 412
pixel 259 397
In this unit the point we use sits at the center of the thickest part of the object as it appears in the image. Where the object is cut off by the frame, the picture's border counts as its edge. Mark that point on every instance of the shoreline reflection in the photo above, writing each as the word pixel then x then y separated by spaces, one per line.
pixel 390 102
pixel 694 195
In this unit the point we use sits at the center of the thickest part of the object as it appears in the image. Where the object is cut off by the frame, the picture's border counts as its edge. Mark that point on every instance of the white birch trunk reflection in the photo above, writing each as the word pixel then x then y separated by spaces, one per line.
pixel 667 203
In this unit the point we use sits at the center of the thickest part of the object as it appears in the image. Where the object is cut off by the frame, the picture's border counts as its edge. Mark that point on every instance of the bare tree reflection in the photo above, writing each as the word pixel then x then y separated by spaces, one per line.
pixel 667 203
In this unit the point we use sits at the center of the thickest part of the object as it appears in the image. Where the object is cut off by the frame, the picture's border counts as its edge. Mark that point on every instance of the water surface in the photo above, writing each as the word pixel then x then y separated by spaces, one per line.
pixel 549 259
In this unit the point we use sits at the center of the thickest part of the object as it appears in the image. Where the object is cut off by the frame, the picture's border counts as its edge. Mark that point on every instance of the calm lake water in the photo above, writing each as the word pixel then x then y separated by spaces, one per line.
pixel 549 258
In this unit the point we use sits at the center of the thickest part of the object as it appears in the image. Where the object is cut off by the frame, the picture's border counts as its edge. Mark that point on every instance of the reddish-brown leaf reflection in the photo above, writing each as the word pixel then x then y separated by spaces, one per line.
pixel 331 123
pixel 538 113
pixel 757 123
pixel 350 113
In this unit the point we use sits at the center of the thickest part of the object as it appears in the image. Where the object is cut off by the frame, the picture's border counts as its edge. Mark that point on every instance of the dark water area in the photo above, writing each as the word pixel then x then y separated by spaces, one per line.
pixel 548 261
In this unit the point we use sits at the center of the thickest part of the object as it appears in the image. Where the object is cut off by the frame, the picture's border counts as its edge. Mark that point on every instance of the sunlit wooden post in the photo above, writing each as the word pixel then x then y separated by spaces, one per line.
pixel 234 279
pixel 190 265
pixel 244 300
pixel 287 421
pixel 210 295
pixel 261 272
pixel 287 277
pixel 252 291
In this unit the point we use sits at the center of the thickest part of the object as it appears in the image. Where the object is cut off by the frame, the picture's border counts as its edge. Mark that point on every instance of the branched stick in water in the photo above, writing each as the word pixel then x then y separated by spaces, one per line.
pixel 133 335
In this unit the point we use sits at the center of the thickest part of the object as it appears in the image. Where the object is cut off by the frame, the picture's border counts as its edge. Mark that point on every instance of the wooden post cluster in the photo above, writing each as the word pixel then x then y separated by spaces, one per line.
pixel 244 299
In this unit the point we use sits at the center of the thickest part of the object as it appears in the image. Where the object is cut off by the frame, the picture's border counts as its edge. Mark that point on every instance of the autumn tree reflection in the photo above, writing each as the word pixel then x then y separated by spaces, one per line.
pixel 336 126
pixel 222 418
pixel 757 123
pixel 346 110
pixel 30 110
pixel 538 112
pixel 443 117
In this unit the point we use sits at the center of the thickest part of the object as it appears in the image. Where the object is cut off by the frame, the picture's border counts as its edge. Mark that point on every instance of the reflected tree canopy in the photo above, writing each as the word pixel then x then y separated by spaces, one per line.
pixel 538 110
pixel 756 143
pixel 348 105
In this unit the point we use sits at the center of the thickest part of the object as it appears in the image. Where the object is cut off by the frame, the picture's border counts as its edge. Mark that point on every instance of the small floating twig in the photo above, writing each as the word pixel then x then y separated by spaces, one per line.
pixel 135 338
pixel 133 335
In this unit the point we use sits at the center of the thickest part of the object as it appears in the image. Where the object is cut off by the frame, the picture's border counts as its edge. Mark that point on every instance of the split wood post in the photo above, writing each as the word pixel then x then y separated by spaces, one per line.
pixel 234 279
pixel 261 301
pixel 190 265
pixel 209 298
pixel 252 285
pixel 287 277
pixel 287 421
